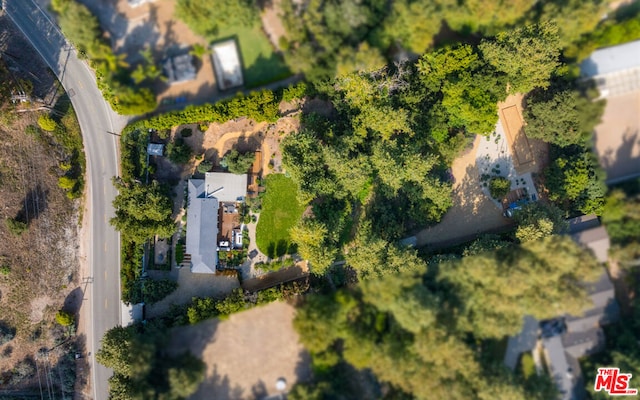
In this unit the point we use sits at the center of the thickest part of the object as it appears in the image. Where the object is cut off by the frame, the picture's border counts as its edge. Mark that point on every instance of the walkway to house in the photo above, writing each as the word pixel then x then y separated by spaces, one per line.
pixel 190 285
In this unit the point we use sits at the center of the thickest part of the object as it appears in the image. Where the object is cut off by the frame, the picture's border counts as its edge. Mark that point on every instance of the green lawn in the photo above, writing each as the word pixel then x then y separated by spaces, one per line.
pixel 261 64
pixel 280 211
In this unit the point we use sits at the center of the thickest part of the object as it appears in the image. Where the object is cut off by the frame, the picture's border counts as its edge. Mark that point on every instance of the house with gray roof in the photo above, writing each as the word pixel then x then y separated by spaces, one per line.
pixel 206 197
pixel 579 335
pixel 202 228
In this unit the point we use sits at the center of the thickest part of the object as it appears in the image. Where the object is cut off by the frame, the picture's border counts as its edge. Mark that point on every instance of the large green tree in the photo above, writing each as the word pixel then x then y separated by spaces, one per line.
pixel 573 17
pixel 527 55
pixel 543 278
pixel 575 181
pixel 238 163
pixel 404 332
pixel 141 367
pixel 538 220
pixel 142 211
pixel 563 117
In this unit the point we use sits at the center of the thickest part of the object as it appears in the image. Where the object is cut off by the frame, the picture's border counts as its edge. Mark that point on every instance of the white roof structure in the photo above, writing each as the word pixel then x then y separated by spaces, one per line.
pixel 226 187
pixel 202 228
pixel 155 149
pixel 616 72
pixel 616 69
pixel 136 3
pixel 227 65
pixel 612 59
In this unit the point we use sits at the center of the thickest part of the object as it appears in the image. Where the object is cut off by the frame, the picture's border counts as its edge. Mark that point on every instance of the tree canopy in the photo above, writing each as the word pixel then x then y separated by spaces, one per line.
pixel 142 211
pixel 141 367
pixel 527 55
pixel 238 163
pixel 406 330
pixel 206 17
pixel 563 117
pixel 543 278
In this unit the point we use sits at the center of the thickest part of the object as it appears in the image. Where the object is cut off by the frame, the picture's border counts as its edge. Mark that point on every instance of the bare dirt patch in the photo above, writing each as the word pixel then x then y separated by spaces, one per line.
pixel 246 354
pixel 472 211
pixel 513 124
pixel 38 226
pixel 617 137
pixel 154 25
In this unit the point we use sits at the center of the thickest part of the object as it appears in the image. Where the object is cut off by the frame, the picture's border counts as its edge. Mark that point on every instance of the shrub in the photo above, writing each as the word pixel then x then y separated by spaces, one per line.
pixel 179 253
pixel 499 187
pixel 5 270
pixel 47 123
pixel 16 227
pixel 294 92
pixel 6 334
pixel 236 162
pixel 66 183
pixel 64 318
pixel 205 166
pixel 198 50
pixel 186 132
pixel 178 151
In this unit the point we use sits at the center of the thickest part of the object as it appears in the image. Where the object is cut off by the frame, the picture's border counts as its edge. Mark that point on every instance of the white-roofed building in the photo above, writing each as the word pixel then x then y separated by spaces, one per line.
pixel 616 72
pixel 226 187
pixel 227 65
pixel 616 69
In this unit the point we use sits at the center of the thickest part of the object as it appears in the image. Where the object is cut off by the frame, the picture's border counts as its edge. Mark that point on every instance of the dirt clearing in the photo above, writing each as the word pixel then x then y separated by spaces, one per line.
pixel 472 211
pixel 246 354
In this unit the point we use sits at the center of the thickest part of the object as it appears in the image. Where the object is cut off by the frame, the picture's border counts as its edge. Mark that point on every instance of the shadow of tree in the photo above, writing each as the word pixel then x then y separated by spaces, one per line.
pixel 623 162
pixel 33 204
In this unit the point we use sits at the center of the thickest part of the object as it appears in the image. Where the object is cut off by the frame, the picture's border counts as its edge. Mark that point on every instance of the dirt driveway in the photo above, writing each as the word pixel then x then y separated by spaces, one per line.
pixel 472 211
pixel 617 138
pixel 246 354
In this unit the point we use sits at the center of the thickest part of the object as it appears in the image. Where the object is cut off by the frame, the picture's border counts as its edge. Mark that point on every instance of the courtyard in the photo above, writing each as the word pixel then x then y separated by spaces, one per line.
pixel 474 211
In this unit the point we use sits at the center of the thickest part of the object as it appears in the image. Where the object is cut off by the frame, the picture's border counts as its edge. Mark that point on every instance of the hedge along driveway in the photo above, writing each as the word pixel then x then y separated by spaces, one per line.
pixel 281 210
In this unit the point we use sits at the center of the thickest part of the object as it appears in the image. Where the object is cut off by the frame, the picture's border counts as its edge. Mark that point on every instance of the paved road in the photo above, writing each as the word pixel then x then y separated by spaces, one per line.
pixel 96 119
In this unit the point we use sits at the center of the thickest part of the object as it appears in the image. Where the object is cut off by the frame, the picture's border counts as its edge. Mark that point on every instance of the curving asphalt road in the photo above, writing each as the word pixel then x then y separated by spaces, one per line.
pixel 96 120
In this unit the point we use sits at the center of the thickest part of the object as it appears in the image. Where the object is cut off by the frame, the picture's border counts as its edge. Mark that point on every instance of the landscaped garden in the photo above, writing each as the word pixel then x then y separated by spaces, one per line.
pixel 280 212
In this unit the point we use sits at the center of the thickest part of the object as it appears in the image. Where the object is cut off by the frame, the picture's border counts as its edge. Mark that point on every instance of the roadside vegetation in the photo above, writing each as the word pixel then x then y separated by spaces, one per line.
pixel 82 29
pixel 41 183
